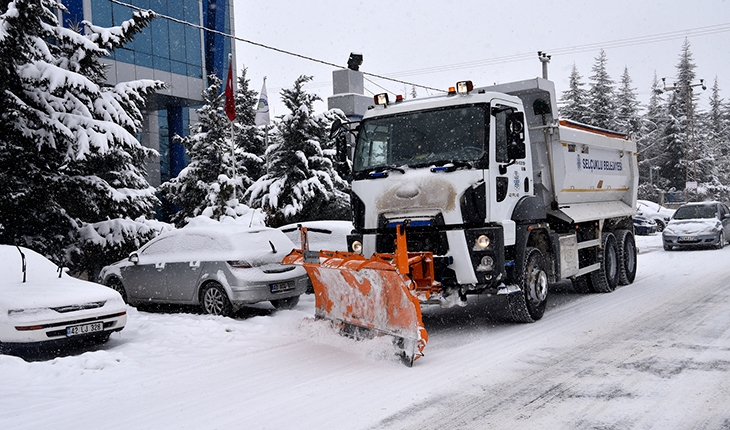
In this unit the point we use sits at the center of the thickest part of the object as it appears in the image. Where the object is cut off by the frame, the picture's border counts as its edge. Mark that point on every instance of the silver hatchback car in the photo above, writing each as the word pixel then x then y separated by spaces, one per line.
pixel 220 268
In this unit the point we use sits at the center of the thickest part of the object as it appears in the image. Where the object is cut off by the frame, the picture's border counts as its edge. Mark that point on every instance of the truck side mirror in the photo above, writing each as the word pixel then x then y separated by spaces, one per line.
pixel 516 136
pixel 336 128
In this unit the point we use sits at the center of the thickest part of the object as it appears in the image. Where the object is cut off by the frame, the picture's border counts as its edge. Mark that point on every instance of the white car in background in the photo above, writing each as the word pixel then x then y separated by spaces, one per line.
pixel 655 211
pixel 698 224
pixel 39 307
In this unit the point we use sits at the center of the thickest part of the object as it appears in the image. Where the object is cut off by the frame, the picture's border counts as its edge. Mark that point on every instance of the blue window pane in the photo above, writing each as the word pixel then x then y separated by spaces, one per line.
pixel 143 41
pixel 177 41
pixel 159 30
pixel 120 13
pixel 164 145
pixel 192 11
pixel 144 4
pixel 178 67
pixel 101 13
pixel 176 11
pixel 141 59
pixel 124 55
pixel 195 71
pixel 192 46
pixel 161 63
pixel 159 6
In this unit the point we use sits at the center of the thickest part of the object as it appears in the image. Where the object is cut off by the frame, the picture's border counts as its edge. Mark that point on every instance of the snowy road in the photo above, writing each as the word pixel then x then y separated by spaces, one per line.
pixel 652 355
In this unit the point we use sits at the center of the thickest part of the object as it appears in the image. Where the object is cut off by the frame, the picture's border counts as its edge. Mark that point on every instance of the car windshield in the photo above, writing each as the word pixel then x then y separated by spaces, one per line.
pixel 422 138
pixel 696 212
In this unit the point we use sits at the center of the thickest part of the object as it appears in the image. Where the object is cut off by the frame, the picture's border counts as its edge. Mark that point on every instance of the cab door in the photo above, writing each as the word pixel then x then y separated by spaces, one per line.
pixel 509 174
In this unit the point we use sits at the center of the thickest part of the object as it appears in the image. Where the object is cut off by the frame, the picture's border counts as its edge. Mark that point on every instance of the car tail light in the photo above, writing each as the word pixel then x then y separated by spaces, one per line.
pixel 240 264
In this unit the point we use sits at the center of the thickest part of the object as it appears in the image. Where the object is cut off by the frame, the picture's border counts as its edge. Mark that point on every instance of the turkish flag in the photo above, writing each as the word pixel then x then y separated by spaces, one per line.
pixel 230 106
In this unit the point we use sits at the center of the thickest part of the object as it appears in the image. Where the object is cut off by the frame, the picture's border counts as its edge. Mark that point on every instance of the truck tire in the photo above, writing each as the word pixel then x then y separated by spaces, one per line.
pixel 583 284
pixel 605 279
pixel 529 304
pixel 627 257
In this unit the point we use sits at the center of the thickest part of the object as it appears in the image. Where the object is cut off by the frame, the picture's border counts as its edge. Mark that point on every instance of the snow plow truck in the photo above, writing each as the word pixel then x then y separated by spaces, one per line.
pixel 479 191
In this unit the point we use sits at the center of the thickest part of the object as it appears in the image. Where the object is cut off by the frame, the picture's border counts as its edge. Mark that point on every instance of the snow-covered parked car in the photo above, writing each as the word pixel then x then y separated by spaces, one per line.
pixel 698 224
pixel 644 226
pixel 219 267
pixel 655 211
pixel 328 235
pixel 40 308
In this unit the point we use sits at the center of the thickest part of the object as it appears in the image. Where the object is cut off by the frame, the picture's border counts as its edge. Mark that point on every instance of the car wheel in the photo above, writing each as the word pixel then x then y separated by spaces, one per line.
pixel 529 304
pixel 288 303
pixel 627 257
pixel 605 279
pixel 116 285
pixel 214 300
pixel 721 240
pixel 659 225
pixel 667 247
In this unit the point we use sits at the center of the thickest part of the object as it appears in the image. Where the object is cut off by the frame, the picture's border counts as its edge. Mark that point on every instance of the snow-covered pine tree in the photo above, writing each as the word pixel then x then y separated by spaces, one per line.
pixel 300 183
pixel 712 131
pixel 628 119
pixel 68 147
pixel 249 139
pixel 650 145
pixel 575 99
pixel 209 182
pixel 601 96
pixel 678 164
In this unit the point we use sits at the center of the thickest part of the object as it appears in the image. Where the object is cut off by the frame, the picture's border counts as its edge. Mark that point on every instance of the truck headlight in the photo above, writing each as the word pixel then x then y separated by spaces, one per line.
pixel 357 247
pixel 482 242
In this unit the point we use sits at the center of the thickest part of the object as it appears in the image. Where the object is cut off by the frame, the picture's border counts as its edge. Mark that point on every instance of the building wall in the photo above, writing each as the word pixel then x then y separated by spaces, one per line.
pixel 177 54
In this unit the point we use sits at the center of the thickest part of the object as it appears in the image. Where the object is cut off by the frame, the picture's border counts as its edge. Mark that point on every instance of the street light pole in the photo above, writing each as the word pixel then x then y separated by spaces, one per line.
pixel 687 89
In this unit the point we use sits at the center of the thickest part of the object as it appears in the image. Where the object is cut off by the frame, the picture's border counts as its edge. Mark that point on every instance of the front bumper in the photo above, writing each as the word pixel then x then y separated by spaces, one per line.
pixel 692 240
pixel 28 331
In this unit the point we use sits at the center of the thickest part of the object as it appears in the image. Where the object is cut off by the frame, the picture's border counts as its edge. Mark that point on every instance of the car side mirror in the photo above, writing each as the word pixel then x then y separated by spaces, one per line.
pixel 134 258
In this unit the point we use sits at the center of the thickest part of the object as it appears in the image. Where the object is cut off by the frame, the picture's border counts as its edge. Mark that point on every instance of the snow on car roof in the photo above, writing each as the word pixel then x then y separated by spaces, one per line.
pixel 218 242
pixel 42 286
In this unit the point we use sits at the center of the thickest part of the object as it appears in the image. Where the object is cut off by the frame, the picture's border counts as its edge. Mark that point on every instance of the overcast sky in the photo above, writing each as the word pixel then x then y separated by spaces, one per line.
pixel 435 43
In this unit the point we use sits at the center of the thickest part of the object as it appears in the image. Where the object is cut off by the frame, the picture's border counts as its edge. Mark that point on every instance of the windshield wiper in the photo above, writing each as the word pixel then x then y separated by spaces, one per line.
pixel 450 165
pixel 382 172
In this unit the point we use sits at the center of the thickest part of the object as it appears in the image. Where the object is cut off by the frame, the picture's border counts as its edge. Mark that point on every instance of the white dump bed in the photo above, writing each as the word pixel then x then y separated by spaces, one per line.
pixel 581 173
pixel 595 173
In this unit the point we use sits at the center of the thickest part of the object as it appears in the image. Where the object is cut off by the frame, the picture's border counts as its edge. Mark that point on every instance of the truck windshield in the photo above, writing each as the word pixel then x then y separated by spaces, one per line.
pixel 423 138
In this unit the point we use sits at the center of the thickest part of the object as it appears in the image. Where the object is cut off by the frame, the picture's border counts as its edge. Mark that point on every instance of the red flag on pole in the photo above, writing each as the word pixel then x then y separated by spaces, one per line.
pixel 230 100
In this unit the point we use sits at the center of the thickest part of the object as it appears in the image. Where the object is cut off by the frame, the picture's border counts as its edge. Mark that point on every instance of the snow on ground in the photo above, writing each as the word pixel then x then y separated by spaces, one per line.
pixel 655 354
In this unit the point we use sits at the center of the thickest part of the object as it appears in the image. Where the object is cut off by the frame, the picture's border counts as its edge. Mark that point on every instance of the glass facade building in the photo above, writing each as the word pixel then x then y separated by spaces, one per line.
pixel 178 54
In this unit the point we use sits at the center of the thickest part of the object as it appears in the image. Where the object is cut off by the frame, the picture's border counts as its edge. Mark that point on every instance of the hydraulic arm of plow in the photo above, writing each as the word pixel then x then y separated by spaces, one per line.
pixel 376 296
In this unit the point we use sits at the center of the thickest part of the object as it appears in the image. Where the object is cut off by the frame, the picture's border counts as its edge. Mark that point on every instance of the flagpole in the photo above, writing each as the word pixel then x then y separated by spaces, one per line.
pixel 230 110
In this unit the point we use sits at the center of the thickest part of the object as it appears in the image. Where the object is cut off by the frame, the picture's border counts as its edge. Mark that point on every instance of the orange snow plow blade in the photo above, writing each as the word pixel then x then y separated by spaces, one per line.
pixel 375 296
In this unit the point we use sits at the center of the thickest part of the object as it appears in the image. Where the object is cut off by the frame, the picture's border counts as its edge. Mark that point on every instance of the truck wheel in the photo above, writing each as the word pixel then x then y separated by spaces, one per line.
pixel 214 301
pixel 605 279
pixel 627 257
pixel 529 304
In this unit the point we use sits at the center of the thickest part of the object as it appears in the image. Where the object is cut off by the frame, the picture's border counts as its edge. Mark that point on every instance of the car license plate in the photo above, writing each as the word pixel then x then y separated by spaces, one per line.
pixel 687 238
pixel 84 329
pixel 281 286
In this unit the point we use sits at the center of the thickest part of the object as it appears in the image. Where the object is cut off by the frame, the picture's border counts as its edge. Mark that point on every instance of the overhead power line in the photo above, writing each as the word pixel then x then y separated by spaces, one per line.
pixel 641 40
pixel 200 27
